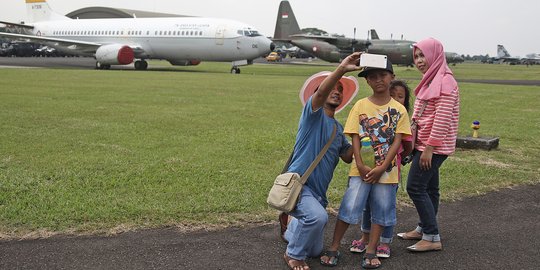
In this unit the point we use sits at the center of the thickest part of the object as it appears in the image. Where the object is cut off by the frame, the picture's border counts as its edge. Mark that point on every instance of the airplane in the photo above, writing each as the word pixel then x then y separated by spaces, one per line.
pixel 451 57
pixel 180 40
pixel 334 48
pixel 504 57
pixel 532 59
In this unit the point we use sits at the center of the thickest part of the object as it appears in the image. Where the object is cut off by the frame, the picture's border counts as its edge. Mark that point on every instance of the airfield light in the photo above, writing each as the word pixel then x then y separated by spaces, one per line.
pixel 475 126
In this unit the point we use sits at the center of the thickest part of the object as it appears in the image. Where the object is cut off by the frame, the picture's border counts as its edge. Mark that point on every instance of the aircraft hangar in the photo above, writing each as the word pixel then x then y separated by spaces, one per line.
pixel 107 12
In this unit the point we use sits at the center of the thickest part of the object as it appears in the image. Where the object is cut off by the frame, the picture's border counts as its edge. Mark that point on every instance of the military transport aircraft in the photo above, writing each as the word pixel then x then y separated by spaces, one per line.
pixel 332 48
pixel 179 40
pixel 451 57
pixel 335 48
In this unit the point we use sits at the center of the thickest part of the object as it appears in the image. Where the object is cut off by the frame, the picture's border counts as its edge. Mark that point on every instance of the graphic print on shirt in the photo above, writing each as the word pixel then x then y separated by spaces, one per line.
pixel 381 130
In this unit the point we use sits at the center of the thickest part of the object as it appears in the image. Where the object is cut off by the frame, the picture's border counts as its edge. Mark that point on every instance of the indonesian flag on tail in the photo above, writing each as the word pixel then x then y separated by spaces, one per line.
pixel 285 16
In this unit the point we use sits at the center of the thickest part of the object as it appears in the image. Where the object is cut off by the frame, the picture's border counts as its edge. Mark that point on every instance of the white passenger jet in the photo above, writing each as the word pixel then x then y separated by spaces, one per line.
pixel 179 40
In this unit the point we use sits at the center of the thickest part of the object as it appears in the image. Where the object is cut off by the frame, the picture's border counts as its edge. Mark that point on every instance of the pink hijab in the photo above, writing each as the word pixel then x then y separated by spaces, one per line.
pixel 438 79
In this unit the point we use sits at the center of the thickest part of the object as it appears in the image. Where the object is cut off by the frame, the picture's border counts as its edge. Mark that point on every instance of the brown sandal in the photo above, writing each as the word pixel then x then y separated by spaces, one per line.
pixel 294 264
pixel 283 222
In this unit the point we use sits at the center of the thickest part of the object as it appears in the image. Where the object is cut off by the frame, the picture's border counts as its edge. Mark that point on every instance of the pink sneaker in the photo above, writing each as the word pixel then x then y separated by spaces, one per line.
pixel 383 251
pixel 358 246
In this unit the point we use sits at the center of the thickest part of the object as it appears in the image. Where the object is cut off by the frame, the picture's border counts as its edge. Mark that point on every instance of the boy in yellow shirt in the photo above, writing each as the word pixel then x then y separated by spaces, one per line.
pixel 385 121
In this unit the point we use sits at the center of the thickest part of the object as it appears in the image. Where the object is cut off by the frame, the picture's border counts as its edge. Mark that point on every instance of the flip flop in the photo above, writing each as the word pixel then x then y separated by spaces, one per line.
pixel 295 263
pixel 334 258
pixel 370 257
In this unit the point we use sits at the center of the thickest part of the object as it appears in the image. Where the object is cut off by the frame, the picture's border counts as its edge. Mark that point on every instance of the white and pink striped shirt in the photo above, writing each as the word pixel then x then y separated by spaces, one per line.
pixel 438 124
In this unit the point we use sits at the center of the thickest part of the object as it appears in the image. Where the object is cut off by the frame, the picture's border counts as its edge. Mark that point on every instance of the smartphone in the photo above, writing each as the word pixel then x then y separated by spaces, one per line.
pixel 373 60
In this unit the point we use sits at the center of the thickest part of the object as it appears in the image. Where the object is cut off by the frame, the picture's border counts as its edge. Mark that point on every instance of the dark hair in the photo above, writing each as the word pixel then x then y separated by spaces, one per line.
pixel 403 84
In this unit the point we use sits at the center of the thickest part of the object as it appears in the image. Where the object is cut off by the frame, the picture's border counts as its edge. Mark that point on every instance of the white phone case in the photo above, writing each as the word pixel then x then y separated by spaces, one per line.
pixel 373 60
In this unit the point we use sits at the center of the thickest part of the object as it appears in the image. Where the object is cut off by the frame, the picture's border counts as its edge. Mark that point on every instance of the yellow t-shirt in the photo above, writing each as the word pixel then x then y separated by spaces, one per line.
pixel 380 124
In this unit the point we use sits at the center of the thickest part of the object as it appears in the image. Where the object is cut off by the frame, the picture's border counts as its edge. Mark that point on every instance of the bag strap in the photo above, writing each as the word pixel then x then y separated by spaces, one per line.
pixel 287 163
pixel 314 164
pixel 421 111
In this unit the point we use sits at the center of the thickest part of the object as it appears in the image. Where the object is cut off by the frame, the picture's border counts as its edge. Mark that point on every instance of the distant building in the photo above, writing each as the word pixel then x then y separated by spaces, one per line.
pixel 109 13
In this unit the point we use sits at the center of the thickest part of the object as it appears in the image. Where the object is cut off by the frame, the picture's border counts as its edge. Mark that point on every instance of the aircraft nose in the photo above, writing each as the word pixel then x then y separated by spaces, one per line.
pixel 265 46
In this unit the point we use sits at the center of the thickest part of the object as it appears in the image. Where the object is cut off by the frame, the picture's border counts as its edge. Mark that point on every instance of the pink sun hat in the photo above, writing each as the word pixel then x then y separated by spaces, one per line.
pixel 350 88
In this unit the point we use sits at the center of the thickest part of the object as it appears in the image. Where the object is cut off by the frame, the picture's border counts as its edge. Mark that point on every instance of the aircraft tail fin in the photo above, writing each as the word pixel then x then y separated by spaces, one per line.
pixel 373 34
pixel 502 52
pixel 286 23
pixel 39 10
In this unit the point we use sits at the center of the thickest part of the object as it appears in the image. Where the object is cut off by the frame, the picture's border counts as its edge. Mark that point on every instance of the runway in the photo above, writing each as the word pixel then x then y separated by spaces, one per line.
pixel 89 63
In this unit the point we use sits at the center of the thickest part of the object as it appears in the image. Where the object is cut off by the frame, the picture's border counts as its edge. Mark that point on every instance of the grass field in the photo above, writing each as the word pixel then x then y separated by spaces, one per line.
pixel 86 151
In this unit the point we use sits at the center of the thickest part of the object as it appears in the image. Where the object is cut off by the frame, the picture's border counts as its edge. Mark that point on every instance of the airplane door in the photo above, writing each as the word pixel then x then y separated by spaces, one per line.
pixel 220 34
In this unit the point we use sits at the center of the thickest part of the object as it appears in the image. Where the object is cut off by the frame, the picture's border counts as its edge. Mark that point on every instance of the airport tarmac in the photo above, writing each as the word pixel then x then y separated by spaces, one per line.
pixel 499 230
pixel 89 63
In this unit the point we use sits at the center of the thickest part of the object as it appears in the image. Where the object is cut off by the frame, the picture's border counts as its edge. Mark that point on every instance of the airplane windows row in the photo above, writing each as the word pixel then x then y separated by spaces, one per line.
pixel 178 33
pixel 129 33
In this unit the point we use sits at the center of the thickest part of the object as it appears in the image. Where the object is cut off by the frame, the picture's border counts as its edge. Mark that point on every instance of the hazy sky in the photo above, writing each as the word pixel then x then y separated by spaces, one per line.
pixel 463 26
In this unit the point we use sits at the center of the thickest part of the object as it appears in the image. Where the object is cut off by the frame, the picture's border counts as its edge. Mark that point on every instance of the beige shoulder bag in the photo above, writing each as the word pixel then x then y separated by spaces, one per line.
pixel 284 193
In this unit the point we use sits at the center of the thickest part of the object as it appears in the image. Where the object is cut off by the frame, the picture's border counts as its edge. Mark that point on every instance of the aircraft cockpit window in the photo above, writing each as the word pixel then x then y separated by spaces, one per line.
pixel 249 32
pixel 254 33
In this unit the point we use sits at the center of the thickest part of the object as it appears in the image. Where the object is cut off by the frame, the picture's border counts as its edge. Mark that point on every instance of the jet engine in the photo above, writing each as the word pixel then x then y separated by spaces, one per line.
pixel 115 54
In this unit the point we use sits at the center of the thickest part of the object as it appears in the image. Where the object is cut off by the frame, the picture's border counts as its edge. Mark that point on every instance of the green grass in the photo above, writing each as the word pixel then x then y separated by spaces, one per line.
pixel 90 151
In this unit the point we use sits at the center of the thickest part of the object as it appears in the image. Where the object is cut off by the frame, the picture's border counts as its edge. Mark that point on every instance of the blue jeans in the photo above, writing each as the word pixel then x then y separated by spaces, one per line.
pixel 423 189
pixel 381 198
pixel 305 232
pixel 388 231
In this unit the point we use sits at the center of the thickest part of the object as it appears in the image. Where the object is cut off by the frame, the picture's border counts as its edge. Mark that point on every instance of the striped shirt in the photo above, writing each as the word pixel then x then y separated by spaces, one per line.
pixel 438 124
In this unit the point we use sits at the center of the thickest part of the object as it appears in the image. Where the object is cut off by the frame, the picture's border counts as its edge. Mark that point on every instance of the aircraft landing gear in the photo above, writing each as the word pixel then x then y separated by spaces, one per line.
pixel 235 70
pixel 141 65
pixel 99 65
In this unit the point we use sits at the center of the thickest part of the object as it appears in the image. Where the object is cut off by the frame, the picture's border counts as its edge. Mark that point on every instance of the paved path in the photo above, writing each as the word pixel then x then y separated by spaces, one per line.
pixel 500 230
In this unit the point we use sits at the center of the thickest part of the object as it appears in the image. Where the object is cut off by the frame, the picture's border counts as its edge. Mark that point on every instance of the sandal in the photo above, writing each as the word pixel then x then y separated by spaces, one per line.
pixel 333 258
pixel 383 251
pixel 294 264
pixel 283 219
pixel 358 246
pixel 367 261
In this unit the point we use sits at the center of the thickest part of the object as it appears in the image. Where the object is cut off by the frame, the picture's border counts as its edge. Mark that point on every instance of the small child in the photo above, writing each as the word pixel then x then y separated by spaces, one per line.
pixel 399 91
pixel 385 121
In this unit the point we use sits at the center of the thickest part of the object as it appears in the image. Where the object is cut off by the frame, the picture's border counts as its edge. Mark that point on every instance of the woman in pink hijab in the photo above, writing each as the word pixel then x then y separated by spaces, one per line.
pixel 435 119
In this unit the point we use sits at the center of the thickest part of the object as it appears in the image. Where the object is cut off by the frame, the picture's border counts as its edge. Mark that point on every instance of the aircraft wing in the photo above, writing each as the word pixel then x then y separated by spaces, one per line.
pixel 328 39
pixel 10 24
pixel 77 46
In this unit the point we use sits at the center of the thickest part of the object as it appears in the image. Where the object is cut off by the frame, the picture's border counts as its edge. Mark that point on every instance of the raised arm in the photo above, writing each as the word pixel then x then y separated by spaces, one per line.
pixel 348 64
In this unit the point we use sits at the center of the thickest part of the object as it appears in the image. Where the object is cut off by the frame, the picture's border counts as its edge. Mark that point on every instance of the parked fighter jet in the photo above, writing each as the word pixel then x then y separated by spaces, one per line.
pixel 504 57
